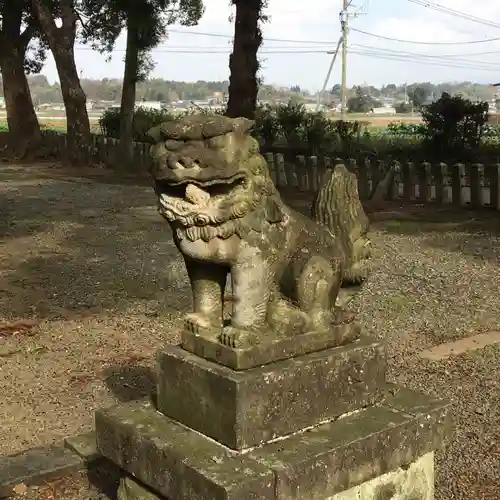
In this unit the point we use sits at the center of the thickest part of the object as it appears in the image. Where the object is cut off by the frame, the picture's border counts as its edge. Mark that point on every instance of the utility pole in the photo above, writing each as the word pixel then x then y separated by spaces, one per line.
pixel 344 24
pixel 344 15
pixel 327 78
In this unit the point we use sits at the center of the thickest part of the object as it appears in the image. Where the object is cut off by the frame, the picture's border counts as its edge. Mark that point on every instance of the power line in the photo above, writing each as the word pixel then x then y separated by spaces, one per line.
pixel 424 62
pixel 221 35
pixel 204 48
pixel 455 13
pixel 223 51
pixel 425 43
pixel 433 56
pixel 387 54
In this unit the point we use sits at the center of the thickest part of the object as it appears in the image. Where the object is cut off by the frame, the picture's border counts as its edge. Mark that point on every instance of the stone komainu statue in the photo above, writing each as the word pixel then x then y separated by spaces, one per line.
pixel 227 218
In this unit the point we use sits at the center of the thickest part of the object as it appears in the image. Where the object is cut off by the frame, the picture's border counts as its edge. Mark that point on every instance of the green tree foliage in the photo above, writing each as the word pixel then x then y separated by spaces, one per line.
pixel 362 101
pixel 335 91
pixel 418 96
pixel 146 22
pixel 454 123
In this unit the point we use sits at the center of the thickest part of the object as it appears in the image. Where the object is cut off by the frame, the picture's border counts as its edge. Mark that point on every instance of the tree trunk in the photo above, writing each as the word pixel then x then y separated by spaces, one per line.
pixel 75 103
pixel 61 41
pixel 24 130
pixel 243 62
pixel 128 97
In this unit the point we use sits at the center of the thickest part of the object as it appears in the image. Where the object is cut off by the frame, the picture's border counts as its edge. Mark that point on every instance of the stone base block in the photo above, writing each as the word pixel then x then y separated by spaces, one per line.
pixel 269 349
pixel 178 463
pixel 241 409
pixel 414 482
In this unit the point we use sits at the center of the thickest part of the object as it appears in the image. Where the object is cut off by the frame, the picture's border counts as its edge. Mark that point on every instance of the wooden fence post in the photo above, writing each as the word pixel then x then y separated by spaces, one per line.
pixel 475 172
pixel 364 180
pixel 492 172
pixel 393 190
pixel 438 171
pixel 407 174
pixel 301 172
pixel 281 178
pixel 424 180
pixel 271 166
pixel 313 173
pixel 456 184
pixel 289 169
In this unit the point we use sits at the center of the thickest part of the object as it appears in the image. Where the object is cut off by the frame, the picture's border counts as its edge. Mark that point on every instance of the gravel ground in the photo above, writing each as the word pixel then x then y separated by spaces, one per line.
pixel 94 266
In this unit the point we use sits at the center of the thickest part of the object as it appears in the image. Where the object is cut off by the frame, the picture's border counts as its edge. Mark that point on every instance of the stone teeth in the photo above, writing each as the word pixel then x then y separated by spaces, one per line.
pixel 179 166
pixel 196 195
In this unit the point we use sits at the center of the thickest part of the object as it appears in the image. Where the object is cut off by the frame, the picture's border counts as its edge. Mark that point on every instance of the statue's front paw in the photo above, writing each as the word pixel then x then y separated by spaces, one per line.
pixel 236 337
pixel 231 337
pixel 198 324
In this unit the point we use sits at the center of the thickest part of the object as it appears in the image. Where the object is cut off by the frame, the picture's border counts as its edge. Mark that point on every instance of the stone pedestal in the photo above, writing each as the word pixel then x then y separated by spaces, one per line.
pixel 316 426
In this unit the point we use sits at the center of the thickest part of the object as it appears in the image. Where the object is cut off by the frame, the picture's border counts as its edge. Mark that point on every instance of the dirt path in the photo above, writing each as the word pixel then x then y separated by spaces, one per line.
pixel 94 266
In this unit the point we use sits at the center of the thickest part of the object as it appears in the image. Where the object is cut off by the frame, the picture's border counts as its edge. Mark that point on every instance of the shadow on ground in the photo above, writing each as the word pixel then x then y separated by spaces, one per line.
pixel 130 382
pixel 104 476
pixel 78 245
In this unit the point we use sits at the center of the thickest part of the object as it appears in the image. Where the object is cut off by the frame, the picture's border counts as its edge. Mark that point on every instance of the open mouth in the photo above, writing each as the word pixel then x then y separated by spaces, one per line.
pixel 188 188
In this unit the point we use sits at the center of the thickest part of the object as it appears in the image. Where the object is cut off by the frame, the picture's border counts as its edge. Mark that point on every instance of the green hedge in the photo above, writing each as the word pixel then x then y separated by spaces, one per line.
pixel 144 120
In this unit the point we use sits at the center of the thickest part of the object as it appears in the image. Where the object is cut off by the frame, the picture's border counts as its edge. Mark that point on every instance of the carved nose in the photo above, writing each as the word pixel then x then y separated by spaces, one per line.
pixel 179 163
pixel 176 163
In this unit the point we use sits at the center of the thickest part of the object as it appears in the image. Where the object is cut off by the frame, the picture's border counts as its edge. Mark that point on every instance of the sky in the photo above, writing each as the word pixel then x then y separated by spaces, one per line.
pixel 299 35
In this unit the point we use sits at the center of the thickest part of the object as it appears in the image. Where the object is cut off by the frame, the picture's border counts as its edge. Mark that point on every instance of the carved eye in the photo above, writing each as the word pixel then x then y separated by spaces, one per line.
pixel 217 142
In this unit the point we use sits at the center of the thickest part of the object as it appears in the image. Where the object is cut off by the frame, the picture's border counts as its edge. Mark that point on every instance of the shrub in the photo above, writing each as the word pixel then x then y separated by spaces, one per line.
pixel 406 129
pixel 403 107
pixel 319 132
pixel 4 127
pixel 195 110
pixel 291 118
pixel 454 123
pixel 144 120
pixel 267 126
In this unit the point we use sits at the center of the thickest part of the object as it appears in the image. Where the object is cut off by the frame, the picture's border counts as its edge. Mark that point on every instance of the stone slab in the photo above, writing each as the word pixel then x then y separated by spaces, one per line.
pixel 413 482
pixel 175 461
pixel 179 463
pixel 337 456
pixel 241 409
pixel 268 350
pixel 131 489
pixel 84 445
pixel 36 465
